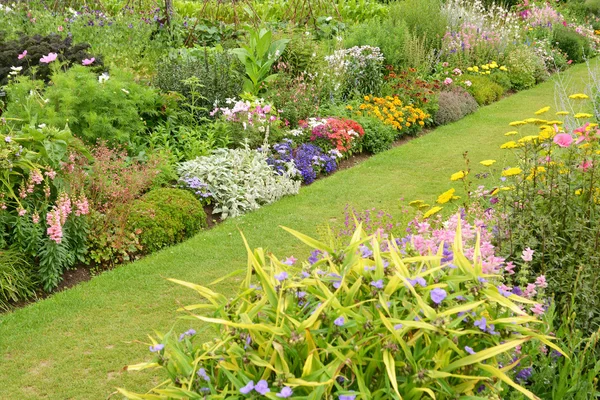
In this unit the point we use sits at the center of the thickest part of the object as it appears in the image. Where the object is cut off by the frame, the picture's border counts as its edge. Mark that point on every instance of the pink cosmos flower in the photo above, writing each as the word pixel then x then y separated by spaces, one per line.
pixel 48 58
pixel 527 254
pixel 88 61
pixel 563 139
pixel 22 55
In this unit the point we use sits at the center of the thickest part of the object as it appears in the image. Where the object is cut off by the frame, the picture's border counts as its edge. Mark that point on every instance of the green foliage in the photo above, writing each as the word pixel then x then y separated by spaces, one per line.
pixel 525 68
pixel 378 136
pixel 258 56
pixel 344 324
pixel 16 279
pixel 454 104
pixel 571 43
pixel 219 74
pixel 164 217
pixel 484 89
pixel 424 20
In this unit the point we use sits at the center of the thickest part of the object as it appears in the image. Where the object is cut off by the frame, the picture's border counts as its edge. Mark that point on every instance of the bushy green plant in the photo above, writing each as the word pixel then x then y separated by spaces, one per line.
pixel 165 217
pixel 219 74
pixel 356 321
pixel 484 89
pixel 112 108
pixel 17 280
pixel 378 136
pixel 357 71
pixel 424 19
pixel 33 48
pixel 525 68
pixel 571 43
pixel 454 104
pixel 237 181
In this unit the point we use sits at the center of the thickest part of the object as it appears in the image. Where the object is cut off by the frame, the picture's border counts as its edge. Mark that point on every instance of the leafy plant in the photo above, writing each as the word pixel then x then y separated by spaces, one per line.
pixel 454 104
pixel 525 68
pixel 572 44
pixel 378 136
pixel 258 57
pixel 353 321
pixel 16 279
pixel 484 89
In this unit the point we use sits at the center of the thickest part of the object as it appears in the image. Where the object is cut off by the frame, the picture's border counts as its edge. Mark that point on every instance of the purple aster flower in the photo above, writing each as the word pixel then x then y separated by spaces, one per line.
pixel 202 374
pixel 438 295
pixel 339 321
pixel 418 281
pixel 398 326
pixel 377 284
pixel 346 397
pixel 157 347
pixel 282 276
pixel 285 392
pixel 248 388
pixel 481 323
pixel 469 350
pixel 262 387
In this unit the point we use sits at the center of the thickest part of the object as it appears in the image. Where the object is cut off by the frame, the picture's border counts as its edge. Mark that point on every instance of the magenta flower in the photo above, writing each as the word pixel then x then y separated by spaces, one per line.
pixel 47 59
pixel 22 55
pixel 438 295
pixel 285 392
pixel 527 255
pixel 88 61
pixel 563 139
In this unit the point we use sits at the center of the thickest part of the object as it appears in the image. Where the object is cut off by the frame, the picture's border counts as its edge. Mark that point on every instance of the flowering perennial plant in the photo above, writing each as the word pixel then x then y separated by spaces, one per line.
pixel 338 136
pixel 308 159
pixel 392 111
pixel 358 69
pixel 363 320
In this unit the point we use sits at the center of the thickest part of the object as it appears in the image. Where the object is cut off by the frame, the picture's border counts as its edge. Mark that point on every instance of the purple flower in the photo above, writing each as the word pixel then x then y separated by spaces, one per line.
pixel 469 350
pixel 339 321
pixel 301 295
pixel 365 251
pixel 438 295
pixel 262 387
pixel 369 269
pixel 202 374
pixel 189 332
pixel 285 392
pixel 346 397
pixel 460 298
pixel 315 256
pixel 398 326
pixel 517 290
pixel 337 281
pixel 377 284
pixel 290 260
pixel 418 281
pixel 523 375
pixel 305 274
pixel 481 323
pixel 248 388
pixel 8 139
pixel 156 348
pixel 282 276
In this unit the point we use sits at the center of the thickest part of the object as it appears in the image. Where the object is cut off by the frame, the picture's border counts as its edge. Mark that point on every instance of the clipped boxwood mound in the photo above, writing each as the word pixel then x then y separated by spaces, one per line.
pixel 163 217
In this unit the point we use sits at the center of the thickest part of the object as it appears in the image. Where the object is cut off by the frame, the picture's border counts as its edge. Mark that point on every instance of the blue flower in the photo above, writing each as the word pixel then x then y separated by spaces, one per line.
pixel 202 374
pixel 377 284
pixel 339 321
pixel 418 281
pixel 262 387
pixel 523 375
pixel 189 332
pixel 285 392
pixel 469 350
pixel 346 397
pixel 156 348
pixel 369 269
pixel 248 388
pixel 398 326
pixel 438 295
pixel 282 276
pixel 481 323
pixel 365 251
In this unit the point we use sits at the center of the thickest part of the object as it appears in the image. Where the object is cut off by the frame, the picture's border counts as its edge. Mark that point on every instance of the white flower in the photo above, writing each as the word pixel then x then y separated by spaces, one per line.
pixel 16 69
pixel 103 78
pixel 125 91
pixel 328 19
pixel 41 126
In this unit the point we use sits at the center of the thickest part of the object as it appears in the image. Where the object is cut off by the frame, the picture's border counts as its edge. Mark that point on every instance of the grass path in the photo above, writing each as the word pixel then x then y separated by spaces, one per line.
pixel 74 345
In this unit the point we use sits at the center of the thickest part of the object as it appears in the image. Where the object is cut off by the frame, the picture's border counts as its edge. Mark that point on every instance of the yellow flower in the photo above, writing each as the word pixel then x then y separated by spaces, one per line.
pixel 510 145
pixel 512 171
pixel 579 96
pixel 503 68
pixel 487 163
pixel 555 122
pixel 431 212
pixel 458 175
pixel 367 98
pixel 511 133
pixel 542 110
pixel 547 133
pixel 348 107
pixel 507 188
pixel 528 138
pixel 578 192
pixel 487 72
pixel 416 203
pixel 446 196
pixel 423 206
pixel 470 69
pixel 517 123
pixel 563 113
pixel 476 68
pixel 583 115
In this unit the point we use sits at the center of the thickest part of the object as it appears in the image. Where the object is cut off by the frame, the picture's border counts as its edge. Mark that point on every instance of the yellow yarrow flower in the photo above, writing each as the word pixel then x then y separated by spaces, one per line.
pixel 446 196
pixel 510 145
pixel 431 212
pixel 512 171
pixel 579 96
pixel 555 122
pixel 517 123
pixel 528 138
pixel 542 110
pixel 423 206
pixel 583 115
pixel 416 203
pixel 547 133
pixel 458 175
pixel 563 113
pixel 487 163
pixel 511 133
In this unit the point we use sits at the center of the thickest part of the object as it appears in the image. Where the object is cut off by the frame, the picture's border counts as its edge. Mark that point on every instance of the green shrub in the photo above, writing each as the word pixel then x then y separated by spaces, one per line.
pixel 164 217
pixel 220 74
pixel 16 279
pixel 378 136
pixel 454 104
pixel 358 320
pixel 571 43
pixel 424 19
pixel 502 79
pixel 525 68
pixel 484 89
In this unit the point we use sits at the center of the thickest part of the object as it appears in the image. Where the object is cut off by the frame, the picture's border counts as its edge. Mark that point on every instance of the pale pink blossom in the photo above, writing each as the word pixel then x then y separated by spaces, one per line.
pixel 530 290
pixel 88 61
pixel 60 28
pixel 47 59
pixel 54 230
pixel 509 268
pixel 537 309
pixel 82 206
pixel 35 218
pixel 22 212
pixel 541 282
pixel 448 81
pixel 22 55
pixel 563 139
pixel 527 255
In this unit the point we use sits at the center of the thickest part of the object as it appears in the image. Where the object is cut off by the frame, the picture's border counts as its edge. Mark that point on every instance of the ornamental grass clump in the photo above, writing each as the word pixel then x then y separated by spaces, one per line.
pixel 359 322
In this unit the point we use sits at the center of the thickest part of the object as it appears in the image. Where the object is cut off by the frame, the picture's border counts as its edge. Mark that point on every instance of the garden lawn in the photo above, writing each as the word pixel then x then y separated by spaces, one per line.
pixel 75 344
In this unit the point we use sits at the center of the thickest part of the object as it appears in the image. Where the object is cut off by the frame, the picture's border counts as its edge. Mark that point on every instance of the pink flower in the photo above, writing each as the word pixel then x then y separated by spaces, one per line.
pixel 527 254
pixel 35 218
pixel 82 206
pixel 48 58
pixel 448 81
pixel 88 61
pixel 37 177
pixel 22 212
pixel 50 174
pixel 22 55
pixel 54 230
pixel 541 282
pixel 538 309
pixel 563 139
pixel 60 28
pixel 468 83
pixel 445 64
pixel 530 290
pixel 585 165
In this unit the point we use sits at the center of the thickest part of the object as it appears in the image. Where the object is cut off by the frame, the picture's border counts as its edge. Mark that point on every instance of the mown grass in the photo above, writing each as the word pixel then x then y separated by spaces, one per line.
pixel 75 344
